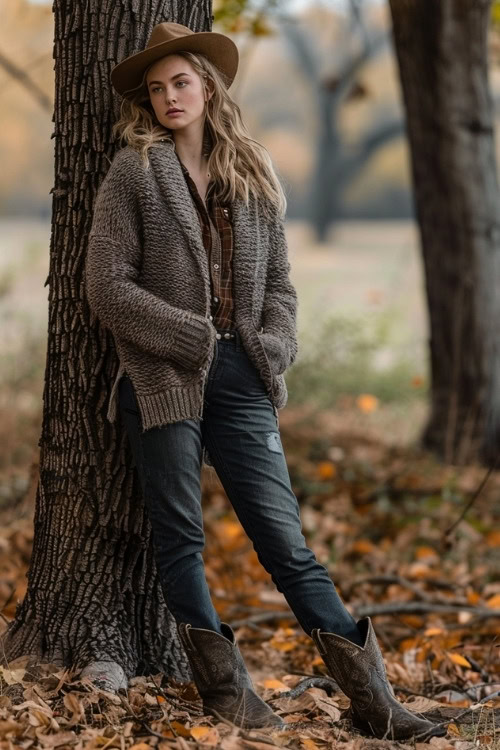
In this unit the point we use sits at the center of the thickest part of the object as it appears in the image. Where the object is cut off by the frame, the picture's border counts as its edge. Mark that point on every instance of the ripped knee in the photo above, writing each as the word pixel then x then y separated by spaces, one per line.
pixel 273 440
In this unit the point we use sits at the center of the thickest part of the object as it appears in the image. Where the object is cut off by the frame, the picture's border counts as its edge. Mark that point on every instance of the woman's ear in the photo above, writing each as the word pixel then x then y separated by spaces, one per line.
pixel 209 89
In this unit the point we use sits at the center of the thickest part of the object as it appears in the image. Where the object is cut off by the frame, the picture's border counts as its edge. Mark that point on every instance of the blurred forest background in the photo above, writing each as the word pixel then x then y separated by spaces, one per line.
pixel 362 313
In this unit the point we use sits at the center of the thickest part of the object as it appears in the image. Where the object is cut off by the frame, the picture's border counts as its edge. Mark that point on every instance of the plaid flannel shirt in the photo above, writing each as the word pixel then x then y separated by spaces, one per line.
pixel 217 233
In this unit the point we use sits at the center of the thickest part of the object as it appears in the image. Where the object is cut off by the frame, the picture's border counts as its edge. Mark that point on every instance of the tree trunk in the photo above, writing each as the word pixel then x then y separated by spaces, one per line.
pixel 442 54
pixel 93 588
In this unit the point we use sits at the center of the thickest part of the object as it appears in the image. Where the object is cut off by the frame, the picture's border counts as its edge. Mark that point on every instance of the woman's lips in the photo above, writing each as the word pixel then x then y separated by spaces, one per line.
pixel 176 112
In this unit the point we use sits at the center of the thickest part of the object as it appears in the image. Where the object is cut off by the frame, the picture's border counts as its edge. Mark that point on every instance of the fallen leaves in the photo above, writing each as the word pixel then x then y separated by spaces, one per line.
pixel 371 515
pixel 208 736
pixel 459 659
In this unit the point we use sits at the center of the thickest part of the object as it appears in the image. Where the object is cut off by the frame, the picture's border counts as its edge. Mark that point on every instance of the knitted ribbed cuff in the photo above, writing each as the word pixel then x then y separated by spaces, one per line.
pixel 192 343
pixel 277 352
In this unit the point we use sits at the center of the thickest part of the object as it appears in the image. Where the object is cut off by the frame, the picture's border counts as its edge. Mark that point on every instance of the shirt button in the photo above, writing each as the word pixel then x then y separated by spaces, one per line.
pixel 218 335
pixel 216 265
pixel 211 317
pixel 216 299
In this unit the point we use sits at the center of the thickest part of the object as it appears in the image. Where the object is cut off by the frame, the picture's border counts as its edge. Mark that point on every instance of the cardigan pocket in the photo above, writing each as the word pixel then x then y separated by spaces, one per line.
pixel 273 385
pixel 275 356
pixel 263 349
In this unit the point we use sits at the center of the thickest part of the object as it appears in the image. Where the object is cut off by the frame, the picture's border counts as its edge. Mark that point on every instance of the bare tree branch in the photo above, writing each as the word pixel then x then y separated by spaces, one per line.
pixel 22 77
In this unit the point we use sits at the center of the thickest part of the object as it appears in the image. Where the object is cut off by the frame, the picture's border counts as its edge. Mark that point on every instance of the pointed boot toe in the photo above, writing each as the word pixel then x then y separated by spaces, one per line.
pixel 361 674
pixel 222 679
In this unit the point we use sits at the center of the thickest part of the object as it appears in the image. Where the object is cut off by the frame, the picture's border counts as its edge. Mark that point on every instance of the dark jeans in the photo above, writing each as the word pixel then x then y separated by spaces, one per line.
pixel 239 428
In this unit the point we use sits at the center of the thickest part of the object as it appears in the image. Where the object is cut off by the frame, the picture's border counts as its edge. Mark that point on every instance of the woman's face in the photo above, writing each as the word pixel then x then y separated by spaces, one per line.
pixel 174 84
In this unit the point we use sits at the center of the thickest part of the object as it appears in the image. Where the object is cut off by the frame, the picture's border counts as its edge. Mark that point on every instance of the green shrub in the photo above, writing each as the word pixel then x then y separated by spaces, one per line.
pixel 348 355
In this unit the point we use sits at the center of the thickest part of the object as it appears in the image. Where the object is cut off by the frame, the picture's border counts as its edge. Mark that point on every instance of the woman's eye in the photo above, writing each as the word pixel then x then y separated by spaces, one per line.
pixel 157 88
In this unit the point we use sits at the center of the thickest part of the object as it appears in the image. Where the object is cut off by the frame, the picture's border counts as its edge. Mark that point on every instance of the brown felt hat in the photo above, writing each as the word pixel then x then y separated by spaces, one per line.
pixel 167 37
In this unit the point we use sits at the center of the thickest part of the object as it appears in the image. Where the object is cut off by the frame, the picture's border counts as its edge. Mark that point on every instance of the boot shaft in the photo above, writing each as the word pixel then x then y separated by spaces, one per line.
pixel 361 674
pixel 215 658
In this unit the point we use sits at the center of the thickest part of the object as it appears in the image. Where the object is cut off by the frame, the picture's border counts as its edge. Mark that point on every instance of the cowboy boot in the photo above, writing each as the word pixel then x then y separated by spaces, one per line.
pixel 222 678
pixel 361 674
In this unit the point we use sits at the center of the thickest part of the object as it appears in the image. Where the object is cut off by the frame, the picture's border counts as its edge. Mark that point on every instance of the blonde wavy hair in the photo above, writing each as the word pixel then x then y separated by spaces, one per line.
pixel 239 164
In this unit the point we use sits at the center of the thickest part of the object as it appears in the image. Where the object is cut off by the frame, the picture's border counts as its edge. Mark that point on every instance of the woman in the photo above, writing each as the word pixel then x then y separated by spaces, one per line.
pixel 188 267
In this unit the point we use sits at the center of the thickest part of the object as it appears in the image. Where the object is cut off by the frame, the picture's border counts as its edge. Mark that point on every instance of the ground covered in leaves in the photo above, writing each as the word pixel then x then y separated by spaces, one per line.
pixel 387 522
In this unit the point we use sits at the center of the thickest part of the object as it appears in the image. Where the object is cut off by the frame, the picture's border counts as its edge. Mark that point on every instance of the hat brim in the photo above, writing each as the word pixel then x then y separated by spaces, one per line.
pixel 128 76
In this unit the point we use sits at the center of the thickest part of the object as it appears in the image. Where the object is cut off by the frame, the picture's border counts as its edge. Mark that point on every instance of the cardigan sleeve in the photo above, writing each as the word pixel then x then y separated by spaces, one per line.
pixel 112 267
pixel 280 300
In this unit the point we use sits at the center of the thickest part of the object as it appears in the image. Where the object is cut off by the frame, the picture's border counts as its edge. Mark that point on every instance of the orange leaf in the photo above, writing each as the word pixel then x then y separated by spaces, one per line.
pixel 362 546
pixel 452 639
pixel 423 552
pixel 419 570
pixel 199 732
pixel 493 602
pixel 407 644
pixel 275 684
pixel 367 403
pixel 206 735
pixel 326 470
pixel 282 645
pixel 459 659
pixel 473 596
pixel 308 743
pixel 231 529
pixel 180 728
pixel 493 539
pixel 414 621
pixel 434 631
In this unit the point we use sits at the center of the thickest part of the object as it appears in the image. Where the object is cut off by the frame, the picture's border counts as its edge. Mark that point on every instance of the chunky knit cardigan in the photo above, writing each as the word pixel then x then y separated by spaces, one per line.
pixel 148 282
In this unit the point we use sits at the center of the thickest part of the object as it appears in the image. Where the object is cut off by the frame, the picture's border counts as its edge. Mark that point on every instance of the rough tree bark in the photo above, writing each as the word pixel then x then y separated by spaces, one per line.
pixel 93 588
pixel 442 54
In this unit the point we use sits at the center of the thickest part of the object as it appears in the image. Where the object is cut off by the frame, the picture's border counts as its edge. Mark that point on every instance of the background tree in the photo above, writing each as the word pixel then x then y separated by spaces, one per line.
pixel 442 52
pixel 337 164
pixel 93 589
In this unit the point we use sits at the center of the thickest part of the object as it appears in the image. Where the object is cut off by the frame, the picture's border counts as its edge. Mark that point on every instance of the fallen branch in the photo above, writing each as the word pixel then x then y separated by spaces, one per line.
pixel 372 610
pixel 401 582
pixel 327 684
pixel 263 617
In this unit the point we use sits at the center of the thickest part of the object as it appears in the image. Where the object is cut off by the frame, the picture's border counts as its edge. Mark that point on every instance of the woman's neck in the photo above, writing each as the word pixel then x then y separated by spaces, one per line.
pixel 191 155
